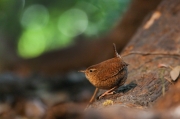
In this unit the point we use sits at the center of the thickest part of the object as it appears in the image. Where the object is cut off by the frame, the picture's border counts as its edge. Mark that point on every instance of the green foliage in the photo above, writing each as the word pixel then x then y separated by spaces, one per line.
pixel 47 25
pixel 73 22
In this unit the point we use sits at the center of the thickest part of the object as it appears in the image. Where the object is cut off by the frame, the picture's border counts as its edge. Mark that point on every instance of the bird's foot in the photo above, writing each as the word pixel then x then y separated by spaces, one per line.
pixel 106 93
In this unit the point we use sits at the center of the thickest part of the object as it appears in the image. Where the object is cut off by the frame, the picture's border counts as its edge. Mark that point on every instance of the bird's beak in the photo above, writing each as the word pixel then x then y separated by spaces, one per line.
pixel 82 71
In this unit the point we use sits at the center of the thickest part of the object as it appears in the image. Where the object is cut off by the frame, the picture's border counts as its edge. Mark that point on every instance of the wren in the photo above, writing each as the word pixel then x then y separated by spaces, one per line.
pixel 109 74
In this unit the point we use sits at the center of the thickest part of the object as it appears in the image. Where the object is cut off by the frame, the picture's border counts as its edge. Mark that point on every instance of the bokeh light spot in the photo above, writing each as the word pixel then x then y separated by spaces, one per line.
pixel 31 44
pixel 35 17
pixel 73 22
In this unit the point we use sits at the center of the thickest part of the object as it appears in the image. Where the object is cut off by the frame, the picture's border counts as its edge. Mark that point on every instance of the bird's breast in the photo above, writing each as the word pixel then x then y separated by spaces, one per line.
pixel 112 81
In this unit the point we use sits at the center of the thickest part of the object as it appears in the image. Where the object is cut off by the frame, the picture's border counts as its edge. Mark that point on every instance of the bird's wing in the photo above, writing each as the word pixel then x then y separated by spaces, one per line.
pixel 111 69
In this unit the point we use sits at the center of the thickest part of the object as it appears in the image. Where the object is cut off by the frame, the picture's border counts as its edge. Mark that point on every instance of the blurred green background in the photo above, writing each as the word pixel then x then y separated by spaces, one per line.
pixel 37 26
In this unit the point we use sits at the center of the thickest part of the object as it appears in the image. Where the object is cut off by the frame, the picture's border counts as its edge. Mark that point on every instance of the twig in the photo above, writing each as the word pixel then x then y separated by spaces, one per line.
pixel 151 53
pixel 171 67
pixel 168 80
pixel 165 65
pixel 163 85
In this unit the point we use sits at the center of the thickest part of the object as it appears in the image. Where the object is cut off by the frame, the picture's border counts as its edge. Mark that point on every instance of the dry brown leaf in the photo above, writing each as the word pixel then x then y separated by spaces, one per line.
pixel 175 73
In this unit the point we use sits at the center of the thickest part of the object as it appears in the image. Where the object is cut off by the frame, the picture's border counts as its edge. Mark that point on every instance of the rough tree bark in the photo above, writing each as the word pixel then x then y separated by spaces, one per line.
pixel 156 42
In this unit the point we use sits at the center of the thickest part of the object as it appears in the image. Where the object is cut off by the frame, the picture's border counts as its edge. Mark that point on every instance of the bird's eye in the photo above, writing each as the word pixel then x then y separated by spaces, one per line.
pixel 90 70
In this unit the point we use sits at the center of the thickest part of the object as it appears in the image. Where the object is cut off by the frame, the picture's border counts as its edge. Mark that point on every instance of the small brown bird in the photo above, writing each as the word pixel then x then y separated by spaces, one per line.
pixel 109 74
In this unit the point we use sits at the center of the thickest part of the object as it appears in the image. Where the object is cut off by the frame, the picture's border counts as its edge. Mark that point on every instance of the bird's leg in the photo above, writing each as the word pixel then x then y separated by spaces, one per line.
pixel 108 92
pixel 93 97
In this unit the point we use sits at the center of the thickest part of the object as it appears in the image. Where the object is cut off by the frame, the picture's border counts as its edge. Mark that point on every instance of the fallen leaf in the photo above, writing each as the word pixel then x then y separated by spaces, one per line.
pixel 175 73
